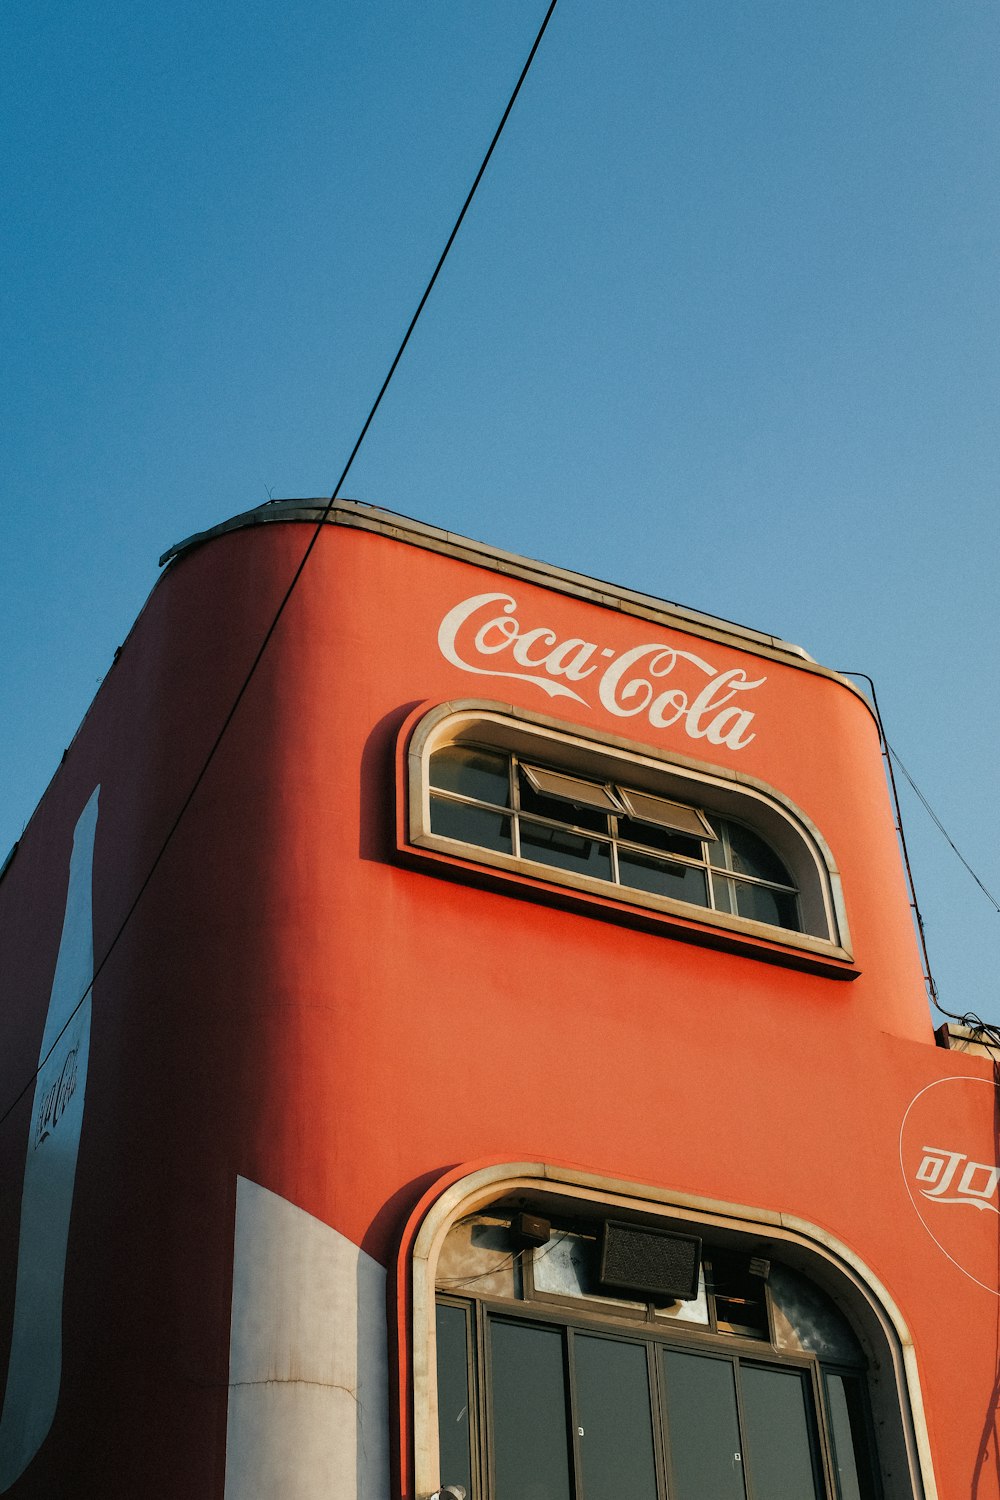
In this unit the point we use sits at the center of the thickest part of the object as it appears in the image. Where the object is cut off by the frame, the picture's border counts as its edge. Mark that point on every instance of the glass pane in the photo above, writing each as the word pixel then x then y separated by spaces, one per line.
pixel 740 1296
pixel 845 1399
pixel 568 1267
pixel 482 774
pixel 473 825
pixel 705 1451
pixel 568 851
pixel 723 896
pixel 613 1419
pixel 777 1408
pixel 751 856
pixel 453 1396
pixel 562 812
pixel 664 839
pixel 530 1423
pixel 762 905
pixel 807 1321
pixel 682 882
pixel 695 1311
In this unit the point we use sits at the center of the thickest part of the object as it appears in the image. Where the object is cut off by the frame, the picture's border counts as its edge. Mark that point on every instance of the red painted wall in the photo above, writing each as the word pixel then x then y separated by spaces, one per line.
pixel 292 1003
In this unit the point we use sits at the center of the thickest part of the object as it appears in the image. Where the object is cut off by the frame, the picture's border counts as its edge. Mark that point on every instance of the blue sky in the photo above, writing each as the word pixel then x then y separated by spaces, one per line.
pixel 722 325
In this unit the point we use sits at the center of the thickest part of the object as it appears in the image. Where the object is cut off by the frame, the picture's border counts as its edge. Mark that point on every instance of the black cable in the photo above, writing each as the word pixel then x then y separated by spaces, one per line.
pixel 985 1031
pixel 251 673
pixel 434 276
pixel 884 744
pixel 942 829
pixel 970 1019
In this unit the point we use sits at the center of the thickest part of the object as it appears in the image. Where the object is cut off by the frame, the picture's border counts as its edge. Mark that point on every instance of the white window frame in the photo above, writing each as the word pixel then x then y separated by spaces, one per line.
pixel 730 794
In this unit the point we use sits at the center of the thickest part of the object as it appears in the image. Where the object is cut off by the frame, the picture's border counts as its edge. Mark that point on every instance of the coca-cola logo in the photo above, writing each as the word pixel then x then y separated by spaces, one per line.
pixel 951 1167
pixel 956 1179
pixel 55 1098
pixel 706 702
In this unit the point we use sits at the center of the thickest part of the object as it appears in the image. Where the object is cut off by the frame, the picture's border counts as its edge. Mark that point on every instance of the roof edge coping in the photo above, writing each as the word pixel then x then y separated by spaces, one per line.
pixel 362 516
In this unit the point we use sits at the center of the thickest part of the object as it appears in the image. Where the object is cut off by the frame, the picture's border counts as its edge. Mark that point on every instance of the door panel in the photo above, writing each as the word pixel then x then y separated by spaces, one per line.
pixel 530 1429
pixel 454 1419
pixel 779 1430
pixel 614 1419
pixel 572 1413
pixel 703 1425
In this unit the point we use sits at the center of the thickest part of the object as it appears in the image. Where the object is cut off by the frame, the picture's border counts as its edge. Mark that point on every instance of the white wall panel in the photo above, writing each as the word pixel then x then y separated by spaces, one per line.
pixel 308 1379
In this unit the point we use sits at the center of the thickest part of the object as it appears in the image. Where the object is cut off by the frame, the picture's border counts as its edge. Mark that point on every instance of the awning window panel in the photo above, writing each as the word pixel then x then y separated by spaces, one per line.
pixel 572 789
pixel 665 814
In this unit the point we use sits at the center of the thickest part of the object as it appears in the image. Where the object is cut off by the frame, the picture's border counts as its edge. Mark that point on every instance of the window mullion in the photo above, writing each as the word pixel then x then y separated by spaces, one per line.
pixel 742 1424
pixel 713 901
pixel 487 1463
pixel 767 885
pixel 648 852
pixel 478 1397
pixel 615 872
pixel 467 801
pixel 572 1415
pixel 727 848
pixel 515 808
pixel 657 1401
pixel 825 1459
pixel 564 826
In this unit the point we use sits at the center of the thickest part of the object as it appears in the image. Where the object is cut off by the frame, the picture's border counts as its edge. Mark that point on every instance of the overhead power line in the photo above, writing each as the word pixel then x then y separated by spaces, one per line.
pixel 889 754
pixel 310 547
pixel 943 830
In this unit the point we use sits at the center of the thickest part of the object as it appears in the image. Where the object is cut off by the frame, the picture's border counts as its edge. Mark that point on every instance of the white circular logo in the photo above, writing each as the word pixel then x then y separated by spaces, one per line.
pixel 949 1152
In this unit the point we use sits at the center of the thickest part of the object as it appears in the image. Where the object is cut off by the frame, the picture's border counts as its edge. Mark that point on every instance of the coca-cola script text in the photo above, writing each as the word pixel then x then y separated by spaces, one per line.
pixel 705 702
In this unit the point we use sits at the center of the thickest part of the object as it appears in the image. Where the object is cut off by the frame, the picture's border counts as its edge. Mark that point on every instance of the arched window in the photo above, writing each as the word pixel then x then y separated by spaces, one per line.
pixel 577 1344
pixel 555 1385
pixel 666 834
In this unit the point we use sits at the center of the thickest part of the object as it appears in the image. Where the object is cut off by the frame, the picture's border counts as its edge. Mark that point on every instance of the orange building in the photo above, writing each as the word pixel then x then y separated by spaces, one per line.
pixel 514 1076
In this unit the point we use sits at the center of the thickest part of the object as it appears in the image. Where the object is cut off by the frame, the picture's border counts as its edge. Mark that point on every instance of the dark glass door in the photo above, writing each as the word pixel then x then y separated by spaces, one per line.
pixel 779 1428
pixel 576 1414
pixel 454 1406
pixel 613 1419
pixel 706 1451
pixel 531 1440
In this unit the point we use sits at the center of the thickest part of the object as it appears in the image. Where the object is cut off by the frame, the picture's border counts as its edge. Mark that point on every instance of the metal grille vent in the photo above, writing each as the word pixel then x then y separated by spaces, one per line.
pixel 660 1265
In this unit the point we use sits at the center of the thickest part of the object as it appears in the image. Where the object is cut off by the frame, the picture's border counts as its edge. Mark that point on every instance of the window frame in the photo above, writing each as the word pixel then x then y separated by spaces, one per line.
pixel 483 1312
pixel 722 880
pixel 903 1462
pixel 825 944
pixel 605 1316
